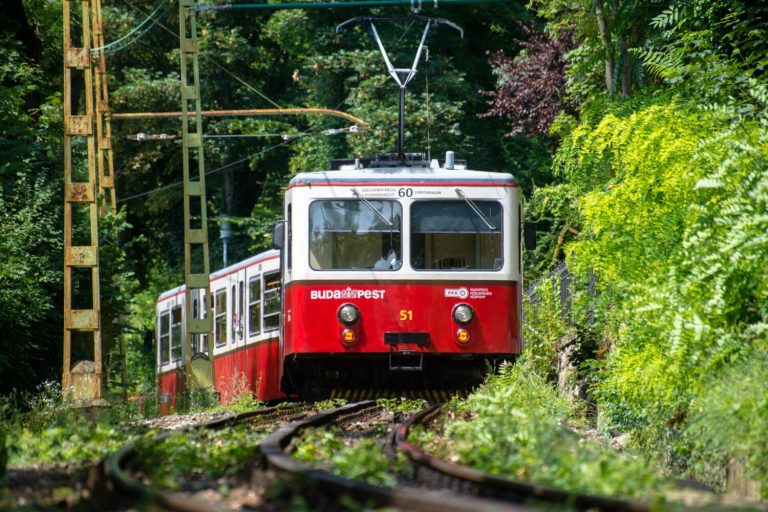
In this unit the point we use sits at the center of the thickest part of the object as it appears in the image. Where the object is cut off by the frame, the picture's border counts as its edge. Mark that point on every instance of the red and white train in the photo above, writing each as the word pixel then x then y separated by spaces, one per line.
pixel 389 275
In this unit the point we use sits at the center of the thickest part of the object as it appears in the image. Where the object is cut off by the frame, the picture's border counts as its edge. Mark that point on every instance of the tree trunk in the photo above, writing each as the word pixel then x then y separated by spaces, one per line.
pixel 626 71
pixel 605 39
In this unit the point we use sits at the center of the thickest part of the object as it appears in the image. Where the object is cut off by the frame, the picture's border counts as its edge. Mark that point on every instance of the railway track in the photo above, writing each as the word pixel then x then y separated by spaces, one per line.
pixel 436 486
pixel 115 485
pixel 326 488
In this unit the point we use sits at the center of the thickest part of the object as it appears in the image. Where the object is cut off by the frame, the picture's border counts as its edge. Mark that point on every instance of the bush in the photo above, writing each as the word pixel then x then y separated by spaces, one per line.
pixel 671 202
pixel 516 426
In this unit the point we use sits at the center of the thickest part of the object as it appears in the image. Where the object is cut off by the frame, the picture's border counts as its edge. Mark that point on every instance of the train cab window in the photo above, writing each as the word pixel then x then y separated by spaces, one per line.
pixel 355 234
pixel 220 318
pixel 456 235
pixel 254 306
pixel 271 301
pixel 165 338
pixel 176 333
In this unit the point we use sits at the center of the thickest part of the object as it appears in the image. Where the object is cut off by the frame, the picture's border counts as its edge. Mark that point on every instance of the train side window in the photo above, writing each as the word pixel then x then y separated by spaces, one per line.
pixel 176 333
pixel 203 314
pixel 220 318
pixel 455 235
pixel 240 309
pixel 165 338
pixel 234 314
pixel 254 306
pixel 271 301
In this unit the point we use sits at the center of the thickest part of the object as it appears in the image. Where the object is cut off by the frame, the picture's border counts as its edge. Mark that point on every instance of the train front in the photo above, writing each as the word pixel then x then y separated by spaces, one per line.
pixel 399 278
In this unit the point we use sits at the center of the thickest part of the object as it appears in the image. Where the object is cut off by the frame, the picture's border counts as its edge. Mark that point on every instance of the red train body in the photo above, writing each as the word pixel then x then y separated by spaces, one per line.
pixel 388 277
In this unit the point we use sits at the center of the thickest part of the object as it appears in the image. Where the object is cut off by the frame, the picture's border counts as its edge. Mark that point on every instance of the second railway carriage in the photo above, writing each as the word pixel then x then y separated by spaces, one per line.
pixel 398 276
pixel 246 326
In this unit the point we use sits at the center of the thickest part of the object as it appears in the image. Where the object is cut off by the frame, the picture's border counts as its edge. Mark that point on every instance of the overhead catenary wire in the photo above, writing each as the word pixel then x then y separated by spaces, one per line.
pixel 208 173
pixel 209 59
pixel 119 42
pixel 330 132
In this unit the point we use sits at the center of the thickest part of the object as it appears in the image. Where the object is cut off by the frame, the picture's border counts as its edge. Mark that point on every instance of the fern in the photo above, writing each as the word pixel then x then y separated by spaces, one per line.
pixel 667 19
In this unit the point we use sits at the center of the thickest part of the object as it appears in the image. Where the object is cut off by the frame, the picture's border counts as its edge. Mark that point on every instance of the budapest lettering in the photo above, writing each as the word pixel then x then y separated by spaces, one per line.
pixel 346 294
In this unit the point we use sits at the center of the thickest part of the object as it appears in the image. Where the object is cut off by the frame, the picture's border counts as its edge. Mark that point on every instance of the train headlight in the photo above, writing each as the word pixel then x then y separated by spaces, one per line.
pixel 463 314
pixel 348 314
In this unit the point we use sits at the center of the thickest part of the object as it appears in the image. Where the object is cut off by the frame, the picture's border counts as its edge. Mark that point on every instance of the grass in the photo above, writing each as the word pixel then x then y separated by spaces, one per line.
pixel 517 425
pixel 363 460
pixel 201 455
pixel 43 428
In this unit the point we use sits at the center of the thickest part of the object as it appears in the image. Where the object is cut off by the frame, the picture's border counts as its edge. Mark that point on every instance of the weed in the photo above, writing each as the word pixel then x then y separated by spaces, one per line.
pixel 514 426
pixel 403 406
pixel 333 403
pixel 201 454
pixel 364 460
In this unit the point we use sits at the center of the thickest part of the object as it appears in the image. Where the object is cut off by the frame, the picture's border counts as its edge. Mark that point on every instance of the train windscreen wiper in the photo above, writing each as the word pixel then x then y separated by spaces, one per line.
pixel 372 208
pixel 474 207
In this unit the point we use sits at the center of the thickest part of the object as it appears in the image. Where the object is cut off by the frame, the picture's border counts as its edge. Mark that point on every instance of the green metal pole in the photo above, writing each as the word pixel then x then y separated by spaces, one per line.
pixel 200 375
pixel 413 4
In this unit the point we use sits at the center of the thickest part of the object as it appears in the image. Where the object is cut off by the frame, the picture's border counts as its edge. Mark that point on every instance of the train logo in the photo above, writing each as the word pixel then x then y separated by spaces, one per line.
pixel 457 293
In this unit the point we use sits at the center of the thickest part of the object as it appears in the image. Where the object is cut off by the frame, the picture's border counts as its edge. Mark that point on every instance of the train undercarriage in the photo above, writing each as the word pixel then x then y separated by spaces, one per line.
pixel 393 374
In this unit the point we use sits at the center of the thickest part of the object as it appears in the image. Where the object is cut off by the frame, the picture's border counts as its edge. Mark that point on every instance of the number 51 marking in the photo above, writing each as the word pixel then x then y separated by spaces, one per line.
pixel 406 314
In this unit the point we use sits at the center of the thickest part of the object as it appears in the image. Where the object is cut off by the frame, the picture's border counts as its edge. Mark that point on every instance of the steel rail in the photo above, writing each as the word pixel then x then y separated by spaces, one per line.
pixel 245 112
pixel 277 446
pixel 487 485
pixel 110 482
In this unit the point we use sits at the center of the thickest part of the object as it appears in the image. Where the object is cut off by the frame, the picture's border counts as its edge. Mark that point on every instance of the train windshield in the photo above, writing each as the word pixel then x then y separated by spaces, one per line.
pixel 352 234
pixel 452 235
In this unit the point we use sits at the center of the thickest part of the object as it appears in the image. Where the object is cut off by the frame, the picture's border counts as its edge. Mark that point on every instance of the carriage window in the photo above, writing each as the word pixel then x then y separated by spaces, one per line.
pixel 450 235
pixel 220 318
pixel 234 315
pixel 165 338
pixel 203 313
pixel 271 301
pixel 355 235
pixel 176 333
pixel 240 309
pixel 254 306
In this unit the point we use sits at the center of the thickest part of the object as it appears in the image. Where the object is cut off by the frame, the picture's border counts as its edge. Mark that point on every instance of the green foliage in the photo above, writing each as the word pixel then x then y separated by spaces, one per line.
pixel 515 426
pixel 44 428
pixel 729 419
pixel 332 403
pixel 364 460
pixel 670 201
pixel 30 246
pixel 544 325
pixel 402 405
pixel 197 455
pixel 711 51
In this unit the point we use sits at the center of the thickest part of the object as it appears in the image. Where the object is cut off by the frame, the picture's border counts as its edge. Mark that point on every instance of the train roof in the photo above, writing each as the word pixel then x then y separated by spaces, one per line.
pixel 396 175
pixel 257 258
